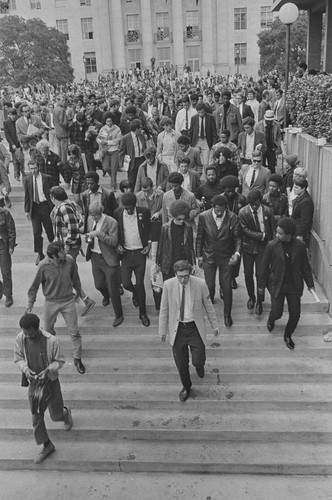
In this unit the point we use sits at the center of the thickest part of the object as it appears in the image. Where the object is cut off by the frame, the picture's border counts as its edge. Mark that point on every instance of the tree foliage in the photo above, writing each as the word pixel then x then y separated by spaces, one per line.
pixel 272 45
pixel 32 52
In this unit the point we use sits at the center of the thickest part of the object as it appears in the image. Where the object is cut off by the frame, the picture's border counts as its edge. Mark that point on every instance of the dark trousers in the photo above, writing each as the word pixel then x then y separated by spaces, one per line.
pixel 225 282
pixel 133 170
pixel 188 336
pixel 249 261
pixel 6 271
pixel 134 261
pixel 270 160
pixel 106 280
pixel 55 407
pixel 41 217
pixel 289 292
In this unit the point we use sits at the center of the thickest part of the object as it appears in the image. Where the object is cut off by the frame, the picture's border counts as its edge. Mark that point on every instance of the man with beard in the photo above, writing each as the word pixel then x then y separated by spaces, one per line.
pixel 209 189
pixel 275 199
pixel 228 117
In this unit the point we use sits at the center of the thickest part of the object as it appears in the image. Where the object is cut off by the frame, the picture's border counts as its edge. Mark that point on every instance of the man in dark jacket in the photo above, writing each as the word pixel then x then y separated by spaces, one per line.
pixel 7 245
pixel 218 245
pixel 284 267
pixel 303 211
pixel 257 224
pixel 96 194
pixel 134 245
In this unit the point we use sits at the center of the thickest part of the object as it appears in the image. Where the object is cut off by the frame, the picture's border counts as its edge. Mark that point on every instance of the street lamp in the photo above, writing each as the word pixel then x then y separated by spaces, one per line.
pixel 237 62
pixel 288 14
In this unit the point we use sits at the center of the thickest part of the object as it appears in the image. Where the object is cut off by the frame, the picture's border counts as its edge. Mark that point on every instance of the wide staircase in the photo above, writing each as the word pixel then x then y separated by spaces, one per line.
pixel 260 409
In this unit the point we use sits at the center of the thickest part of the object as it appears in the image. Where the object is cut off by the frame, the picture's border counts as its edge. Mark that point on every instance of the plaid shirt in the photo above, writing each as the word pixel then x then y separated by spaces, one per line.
pixel 66 223
pixel 235 158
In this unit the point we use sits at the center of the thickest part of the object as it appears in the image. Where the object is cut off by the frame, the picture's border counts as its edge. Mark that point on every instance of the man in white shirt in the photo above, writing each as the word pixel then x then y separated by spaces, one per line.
pixel 184 116
pixel 184 302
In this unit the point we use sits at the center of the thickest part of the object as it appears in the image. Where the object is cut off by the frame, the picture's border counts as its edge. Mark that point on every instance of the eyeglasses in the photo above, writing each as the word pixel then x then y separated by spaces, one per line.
pixel 256 161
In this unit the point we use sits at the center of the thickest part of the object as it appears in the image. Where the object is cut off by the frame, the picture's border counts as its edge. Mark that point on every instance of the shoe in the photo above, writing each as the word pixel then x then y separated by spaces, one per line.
pixel 89 304
pixel 270 324
pixel 135 301
pixel 121 290
pixel 106 301
pixel 251 303
pixel 200 371
pixel 117 321
pixel 221 294
pixel 79 365
pixel 9 301
pixel 184 394
pixel 145 320
pixel 1 290
pixel 234 284
pixel 44 453
pixel 68 421
pixel 228 320
pixel 289 343
pixel 259 308
pixel 40 257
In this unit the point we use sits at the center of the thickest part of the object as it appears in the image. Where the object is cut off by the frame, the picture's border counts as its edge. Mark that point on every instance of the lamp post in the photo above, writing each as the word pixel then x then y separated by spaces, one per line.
pixel 288 14
pixel 237 62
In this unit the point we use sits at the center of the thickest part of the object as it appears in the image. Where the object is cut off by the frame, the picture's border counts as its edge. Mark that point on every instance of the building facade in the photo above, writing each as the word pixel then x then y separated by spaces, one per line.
pixel 219 36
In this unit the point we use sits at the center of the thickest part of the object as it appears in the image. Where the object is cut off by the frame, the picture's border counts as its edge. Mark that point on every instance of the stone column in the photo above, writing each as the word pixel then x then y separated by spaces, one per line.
pixel 178 45
pixel 147 32
pixel 118 46
pixel 327 63
pixel 314 44
pixel 207 36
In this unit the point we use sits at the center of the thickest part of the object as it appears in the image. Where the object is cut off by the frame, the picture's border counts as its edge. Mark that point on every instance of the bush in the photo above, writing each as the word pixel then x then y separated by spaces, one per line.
pixel 309 102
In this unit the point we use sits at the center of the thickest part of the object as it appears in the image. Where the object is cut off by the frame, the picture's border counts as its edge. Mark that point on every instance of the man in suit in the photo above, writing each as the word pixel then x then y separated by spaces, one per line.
pixel 279 107
pixel 96 194
pixel 257 224
pixel 191 178
pixel 161 105
pixel 49 162
pixel 250 140
pixel 9 127
pixel 184 302
pixel 134 245
pixel 203 133
pixel 272 132
pixel 61 125
pixel 245 109
pixel 218 246
pixel 186 151
pixel 38 206
pixel 102 240
pixel 152 168
pixel 254 176
pixel 228 117
pixel 283 268
pixel 22 126
pixel 184 117
pixel 133 145
pixel 303 210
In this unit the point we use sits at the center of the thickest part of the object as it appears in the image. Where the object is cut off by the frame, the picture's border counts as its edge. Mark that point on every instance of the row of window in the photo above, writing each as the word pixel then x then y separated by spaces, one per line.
pixel 240 18
pixel 164 57
pixel 36 4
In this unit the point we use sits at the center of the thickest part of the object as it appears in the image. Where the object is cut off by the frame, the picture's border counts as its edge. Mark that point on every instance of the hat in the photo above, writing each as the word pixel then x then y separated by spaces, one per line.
pixel 269 115
pixel 292 160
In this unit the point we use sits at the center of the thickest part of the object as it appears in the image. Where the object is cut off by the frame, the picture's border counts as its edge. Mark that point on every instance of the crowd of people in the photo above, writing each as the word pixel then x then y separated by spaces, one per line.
pixel 204 190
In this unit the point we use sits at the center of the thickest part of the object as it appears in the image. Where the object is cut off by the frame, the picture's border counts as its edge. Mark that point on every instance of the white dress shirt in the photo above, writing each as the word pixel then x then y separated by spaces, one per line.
pixel 180 121
pixel 136 140
pixel 39 180
pixel 96 247
pixel 250 140
pixel 188 305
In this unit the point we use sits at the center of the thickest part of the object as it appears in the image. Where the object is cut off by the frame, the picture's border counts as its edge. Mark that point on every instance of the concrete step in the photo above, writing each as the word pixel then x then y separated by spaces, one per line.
pixel 178 457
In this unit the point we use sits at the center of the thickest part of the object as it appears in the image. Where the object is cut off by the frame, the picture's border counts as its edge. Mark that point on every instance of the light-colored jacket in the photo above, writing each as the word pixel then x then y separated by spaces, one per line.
pixel 55 358
pixel 169 315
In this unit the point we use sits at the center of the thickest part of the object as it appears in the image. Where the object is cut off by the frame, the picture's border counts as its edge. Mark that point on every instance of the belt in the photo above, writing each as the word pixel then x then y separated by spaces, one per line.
pixel 136 250
pixel 187 324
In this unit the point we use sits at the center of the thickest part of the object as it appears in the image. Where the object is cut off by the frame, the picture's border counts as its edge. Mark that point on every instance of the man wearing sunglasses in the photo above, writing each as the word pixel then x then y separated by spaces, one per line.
pixel 254 176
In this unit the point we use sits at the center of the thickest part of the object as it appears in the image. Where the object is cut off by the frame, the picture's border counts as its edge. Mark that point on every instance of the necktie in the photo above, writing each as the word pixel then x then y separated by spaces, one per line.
pixel 36 194
pixel 258 226
pixel 183 298
pixel 139 146
pixel 202 128
pixel 187 120
pixel 253 177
